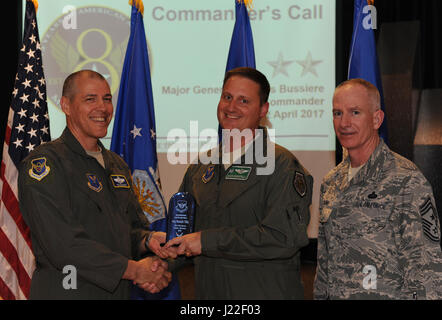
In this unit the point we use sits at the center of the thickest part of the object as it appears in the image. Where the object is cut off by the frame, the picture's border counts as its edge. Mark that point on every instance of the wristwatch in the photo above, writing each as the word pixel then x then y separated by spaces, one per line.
pixel 146 243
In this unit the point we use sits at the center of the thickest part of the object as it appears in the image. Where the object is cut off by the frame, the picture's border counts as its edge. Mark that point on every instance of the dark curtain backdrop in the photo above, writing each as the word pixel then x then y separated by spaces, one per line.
pixel 429 52
pixel 11 26
pixel 426 11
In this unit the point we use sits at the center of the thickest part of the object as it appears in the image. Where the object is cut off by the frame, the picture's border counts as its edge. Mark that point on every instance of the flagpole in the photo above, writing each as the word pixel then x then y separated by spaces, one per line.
pixel 134 136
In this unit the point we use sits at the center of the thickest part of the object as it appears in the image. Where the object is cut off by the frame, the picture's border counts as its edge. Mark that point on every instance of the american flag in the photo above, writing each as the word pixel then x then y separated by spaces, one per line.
pixel 27 127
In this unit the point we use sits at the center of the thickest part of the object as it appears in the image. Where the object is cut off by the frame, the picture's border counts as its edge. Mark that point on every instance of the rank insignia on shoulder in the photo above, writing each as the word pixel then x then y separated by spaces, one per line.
pixel 300 184
pixel 93 182
pixel 208 175
pixel 429 220
pixel 39 169
pixel 238 173
pixel 119 181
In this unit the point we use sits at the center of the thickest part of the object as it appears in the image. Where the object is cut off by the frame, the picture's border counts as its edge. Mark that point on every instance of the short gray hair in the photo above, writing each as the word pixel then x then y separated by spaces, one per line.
pixel 69 83
pixel 372 91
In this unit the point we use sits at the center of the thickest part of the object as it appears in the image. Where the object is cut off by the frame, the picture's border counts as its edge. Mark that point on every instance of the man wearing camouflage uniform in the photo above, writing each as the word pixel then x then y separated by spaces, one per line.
pixel 379 232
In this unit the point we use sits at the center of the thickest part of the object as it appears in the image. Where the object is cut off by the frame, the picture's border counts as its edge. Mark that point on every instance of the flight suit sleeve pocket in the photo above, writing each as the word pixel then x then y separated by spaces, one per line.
pixel 294 213
pixel 298 223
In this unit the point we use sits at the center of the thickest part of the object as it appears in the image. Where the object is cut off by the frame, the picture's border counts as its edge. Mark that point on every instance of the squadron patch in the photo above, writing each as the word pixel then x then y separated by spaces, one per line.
pixel 429 220
pixel 300 184
pixel 94 183
pixel 119 181
pixel 208 175
pixel 39 169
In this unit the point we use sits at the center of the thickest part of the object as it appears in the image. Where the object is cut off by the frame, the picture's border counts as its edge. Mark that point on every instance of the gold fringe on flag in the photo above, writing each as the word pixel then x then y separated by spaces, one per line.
pixel 138 4
pixel 248 3
pixel 35 4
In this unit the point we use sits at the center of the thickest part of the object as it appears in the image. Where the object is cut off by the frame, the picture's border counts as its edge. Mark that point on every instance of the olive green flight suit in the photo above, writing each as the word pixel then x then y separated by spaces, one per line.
pixel 252 230
pixel 80 215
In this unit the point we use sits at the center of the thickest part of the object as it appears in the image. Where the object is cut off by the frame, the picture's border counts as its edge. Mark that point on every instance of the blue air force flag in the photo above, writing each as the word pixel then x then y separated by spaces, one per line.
pixel 134 137
pixel 363 61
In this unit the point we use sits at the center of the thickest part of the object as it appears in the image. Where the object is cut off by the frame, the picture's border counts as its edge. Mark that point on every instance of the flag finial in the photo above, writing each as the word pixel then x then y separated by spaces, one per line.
pixel 35 4
pixel 248 3
pixel 138 4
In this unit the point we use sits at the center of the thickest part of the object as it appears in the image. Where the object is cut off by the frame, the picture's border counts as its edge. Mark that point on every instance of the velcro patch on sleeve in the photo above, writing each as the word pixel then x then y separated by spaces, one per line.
pixel 430 220
pixel 39 168
pixel 300 184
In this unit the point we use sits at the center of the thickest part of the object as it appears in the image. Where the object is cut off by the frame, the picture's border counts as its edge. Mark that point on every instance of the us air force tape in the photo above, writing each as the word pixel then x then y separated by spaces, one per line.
pixel 300 184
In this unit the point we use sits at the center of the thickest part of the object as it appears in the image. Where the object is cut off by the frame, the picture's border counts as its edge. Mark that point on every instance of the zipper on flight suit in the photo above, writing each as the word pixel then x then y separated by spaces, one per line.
pixel 220 174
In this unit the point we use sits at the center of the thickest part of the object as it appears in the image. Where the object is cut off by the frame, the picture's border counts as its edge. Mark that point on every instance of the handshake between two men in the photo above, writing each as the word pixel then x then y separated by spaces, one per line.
pixel 151 273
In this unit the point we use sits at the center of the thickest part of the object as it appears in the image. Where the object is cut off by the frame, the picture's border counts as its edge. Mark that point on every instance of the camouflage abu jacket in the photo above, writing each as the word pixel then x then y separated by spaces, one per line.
pixel 379 233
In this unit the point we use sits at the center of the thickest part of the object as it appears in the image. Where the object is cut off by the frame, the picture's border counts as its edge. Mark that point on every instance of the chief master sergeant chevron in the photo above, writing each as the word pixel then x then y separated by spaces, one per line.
pixel 250 227
pixel 379 232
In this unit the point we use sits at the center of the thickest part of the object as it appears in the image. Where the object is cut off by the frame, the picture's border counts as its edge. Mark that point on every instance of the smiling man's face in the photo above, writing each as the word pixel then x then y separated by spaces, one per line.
pixel 356 117
pixel 240 104
pixel 89 110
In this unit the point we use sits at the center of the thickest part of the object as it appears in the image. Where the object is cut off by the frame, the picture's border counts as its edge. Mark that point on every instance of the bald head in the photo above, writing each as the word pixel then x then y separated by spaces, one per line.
pixel 70 84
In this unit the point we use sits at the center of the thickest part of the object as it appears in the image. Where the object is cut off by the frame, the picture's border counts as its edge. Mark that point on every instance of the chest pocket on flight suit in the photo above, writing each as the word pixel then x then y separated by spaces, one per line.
pixel 121 194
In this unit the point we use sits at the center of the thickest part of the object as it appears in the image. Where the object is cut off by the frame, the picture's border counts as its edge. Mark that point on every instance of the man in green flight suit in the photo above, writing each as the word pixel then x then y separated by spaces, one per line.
pixel 250 219
pixel 76 197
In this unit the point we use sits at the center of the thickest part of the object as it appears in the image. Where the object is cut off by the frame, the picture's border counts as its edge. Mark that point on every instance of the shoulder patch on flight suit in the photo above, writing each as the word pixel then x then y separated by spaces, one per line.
pixel 300 184
pixel 208 175
pixel 93 182
pixel 39 169
pixel 119 181
pixel 429 220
